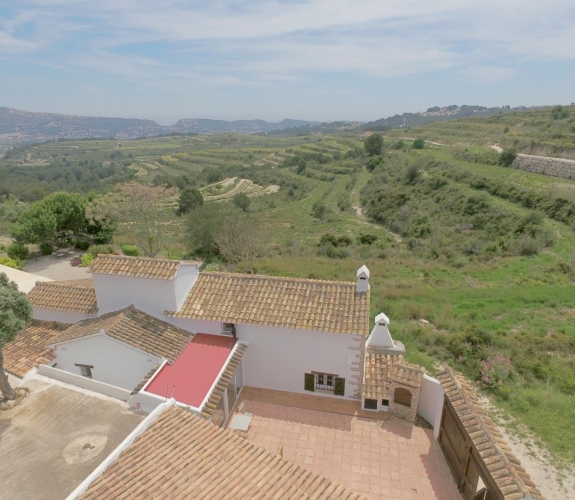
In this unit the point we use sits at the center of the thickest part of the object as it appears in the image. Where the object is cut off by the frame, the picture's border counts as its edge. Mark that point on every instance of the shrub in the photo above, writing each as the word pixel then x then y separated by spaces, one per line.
pixel 81 245
pixel 418 144
pixel 94 250
pixel 46 248
pixel 87 259
pixel 333 252
pixel 130 250
pixel 335 241
pixel 17 251
pixel 507 157
pixel 495 371
pixel 319 210
pixel 398 145
pixel 366 239
pixel 6 261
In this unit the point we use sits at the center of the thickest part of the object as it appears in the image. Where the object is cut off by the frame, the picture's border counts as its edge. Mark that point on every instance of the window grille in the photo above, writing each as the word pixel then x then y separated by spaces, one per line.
pixel 85 370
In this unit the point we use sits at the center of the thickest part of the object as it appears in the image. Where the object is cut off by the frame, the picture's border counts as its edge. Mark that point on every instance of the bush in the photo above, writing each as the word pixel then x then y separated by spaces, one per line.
pixel 495 371
pixel 94 250
pixel 131 250
pixel 87 259
pixel 319 210
pixel 335 241
pixel 398 145
pixel 333 252
pixel 6 261
pixel 366 239
pixel 46 248
pixel 81 245
pixel 17 251
pixel 507 157
pixel 418 144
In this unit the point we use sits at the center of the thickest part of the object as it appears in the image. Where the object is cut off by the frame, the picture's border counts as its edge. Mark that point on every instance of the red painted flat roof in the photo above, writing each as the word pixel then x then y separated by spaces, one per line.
pixel 194 372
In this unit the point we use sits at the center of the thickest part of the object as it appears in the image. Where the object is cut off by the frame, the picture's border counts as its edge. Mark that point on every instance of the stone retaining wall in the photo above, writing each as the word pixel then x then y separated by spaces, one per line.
pixel 555 167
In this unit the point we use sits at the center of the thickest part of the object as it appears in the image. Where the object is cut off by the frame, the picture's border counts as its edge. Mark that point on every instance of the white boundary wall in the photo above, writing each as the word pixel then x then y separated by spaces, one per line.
pixel 430 405
pixel 86 383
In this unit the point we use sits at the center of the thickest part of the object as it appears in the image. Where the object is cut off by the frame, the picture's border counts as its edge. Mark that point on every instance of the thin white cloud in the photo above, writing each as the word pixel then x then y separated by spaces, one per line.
pixel 255 41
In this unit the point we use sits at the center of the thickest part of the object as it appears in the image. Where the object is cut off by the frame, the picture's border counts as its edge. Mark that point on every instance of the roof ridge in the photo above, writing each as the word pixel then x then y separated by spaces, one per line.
pixel 276 278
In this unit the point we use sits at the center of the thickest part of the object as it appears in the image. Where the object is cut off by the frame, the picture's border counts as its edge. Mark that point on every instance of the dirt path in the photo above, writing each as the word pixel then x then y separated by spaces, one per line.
pixel 497 148
pixel 554 483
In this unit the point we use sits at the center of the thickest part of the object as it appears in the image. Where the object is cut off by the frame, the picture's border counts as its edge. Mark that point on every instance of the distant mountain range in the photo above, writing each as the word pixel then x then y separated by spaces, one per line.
pixel 20 127
pixel 436 114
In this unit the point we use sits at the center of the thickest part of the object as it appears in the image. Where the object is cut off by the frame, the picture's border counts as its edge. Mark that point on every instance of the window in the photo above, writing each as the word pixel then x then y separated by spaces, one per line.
pixel 324 382
pixel 385 402
pixel 402 397
pixel 370 404
pixel 85 370
pixel 229 328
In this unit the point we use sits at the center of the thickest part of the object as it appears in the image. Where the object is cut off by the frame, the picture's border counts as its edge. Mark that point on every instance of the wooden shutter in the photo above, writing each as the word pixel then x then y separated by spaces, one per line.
pixel 339 386
pixel 309 383
pixel 402 396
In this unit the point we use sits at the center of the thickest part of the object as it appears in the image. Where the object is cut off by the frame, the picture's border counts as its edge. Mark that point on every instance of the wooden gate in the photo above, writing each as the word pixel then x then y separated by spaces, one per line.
pixel 482 464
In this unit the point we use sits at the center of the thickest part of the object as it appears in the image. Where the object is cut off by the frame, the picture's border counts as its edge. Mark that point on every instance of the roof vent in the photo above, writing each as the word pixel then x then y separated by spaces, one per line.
pixel 362 283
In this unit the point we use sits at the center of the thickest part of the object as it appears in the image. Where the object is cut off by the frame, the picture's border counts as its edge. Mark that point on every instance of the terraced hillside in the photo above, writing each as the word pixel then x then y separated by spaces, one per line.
pixel 548 131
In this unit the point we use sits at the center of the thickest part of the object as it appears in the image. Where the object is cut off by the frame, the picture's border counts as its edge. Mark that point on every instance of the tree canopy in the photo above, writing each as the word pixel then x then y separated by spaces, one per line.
pixel 507 157
pixel 242 201
pixel 373 144
pixel 139 209
pixel 55 217
pixel 15 312
pixel 190 198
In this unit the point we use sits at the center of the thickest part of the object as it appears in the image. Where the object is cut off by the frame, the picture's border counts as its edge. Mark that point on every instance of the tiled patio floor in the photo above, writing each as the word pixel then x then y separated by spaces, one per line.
pixel 384 460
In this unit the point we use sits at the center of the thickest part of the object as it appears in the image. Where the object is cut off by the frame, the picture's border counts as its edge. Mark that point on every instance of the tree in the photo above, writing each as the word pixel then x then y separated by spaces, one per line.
pixel 242 200
pixel 507 157
pixel 418 144
pixel 139 209
pixel 241 240
pixel 373 144
pixel 319 210
pixel 15 312
pixel 190 199
pixel 56 217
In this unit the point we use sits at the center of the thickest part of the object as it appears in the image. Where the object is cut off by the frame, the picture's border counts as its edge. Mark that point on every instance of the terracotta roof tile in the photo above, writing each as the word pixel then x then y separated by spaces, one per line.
pixel 137 267
pixel 381 368
pixel 29 348
pixel 208 463
pixel 329 306
pixel 135 328
pixel 75 296
pixel 224 380
pixel 510 477
pixel 145 380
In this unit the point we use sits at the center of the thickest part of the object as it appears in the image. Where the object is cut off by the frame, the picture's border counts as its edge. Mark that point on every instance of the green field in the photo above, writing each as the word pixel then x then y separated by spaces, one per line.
pixel 469 259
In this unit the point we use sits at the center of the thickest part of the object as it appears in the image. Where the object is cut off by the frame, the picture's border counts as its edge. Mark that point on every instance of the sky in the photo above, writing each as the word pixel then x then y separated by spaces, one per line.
pixel 319 60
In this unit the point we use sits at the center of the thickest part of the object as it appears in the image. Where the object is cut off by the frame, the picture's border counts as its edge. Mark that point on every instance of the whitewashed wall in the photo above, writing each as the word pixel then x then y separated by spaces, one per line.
pixel 430 404
pixel 148 295
pixel 278 358
pixel 114 362
pixel 63 317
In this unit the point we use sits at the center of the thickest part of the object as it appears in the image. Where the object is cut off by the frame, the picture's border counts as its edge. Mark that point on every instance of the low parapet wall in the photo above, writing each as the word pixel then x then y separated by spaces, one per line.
pixel 84 382
pixel 555 167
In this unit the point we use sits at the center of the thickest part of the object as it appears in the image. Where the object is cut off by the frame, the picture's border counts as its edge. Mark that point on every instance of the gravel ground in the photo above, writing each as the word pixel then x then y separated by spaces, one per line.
pixel 56 269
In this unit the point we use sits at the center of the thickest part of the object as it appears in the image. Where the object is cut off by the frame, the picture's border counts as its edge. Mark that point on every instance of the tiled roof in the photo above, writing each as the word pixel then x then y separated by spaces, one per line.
pixel 137 267
pixel 381 368
pixel 510 476
pixel 74 296
pixel 29 349
pixel 224 380
pixel 135 328
pixel 145 380
pixel 328 306
pixel 182 456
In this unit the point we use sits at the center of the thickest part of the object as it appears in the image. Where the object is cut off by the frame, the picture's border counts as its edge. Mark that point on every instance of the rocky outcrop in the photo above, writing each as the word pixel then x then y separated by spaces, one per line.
pixel 555 167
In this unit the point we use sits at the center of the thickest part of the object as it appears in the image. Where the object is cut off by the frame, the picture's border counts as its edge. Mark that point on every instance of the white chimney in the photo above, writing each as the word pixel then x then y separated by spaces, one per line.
pixel 362 283
pixel 380 336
